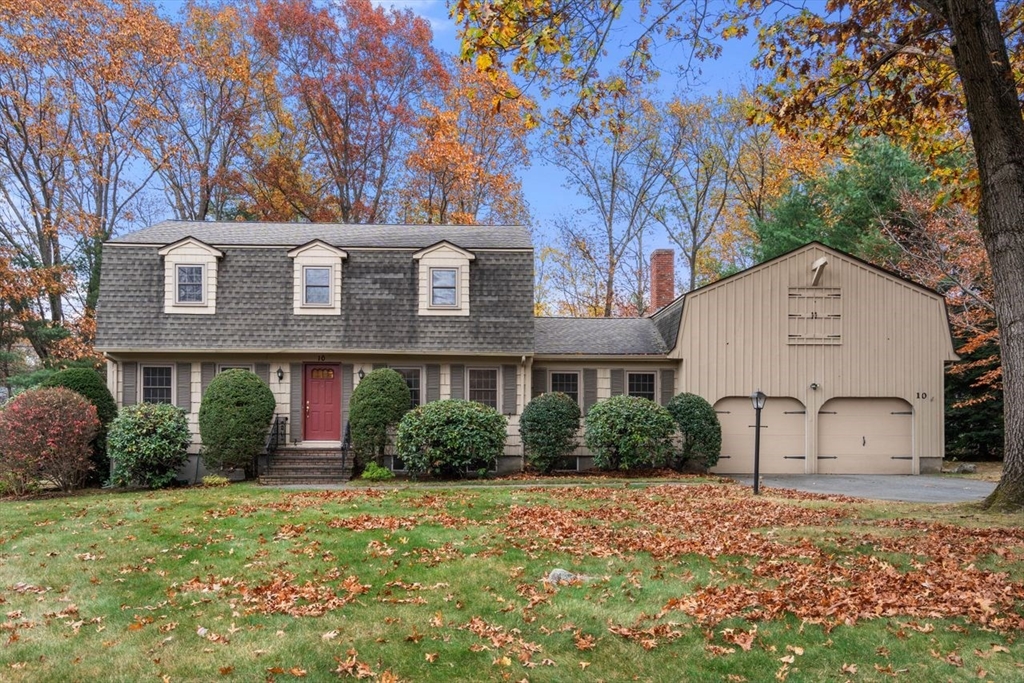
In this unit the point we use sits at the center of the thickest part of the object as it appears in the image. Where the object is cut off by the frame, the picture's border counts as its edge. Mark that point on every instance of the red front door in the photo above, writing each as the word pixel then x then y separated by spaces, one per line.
pixel 322 391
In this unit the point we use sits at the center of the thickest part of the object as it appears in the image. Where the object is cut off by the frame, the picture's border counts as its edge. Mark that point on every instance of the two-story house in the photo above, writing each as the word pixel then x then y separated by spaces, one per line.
pixel 850 356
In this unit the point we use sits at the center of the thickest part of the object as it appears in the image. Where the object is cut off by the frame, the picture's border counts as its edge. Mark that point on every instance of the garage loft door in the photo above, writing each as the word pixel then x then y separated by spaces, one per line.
pixel 783 428
pixel 865 436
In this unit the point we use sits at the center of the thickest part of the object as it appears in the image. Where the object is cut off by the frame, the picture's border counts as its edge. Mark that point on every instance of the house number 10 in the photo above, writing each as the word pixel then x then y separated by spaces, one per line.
pixel 922 394
pixel 321 359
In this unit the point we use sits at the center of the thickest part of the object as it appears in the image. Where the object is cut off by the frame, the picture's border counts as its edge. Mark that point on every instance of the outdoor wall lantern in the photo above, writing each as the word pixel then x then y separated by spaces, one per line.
pixel 361 374
pixel 757 398
pixel 280 374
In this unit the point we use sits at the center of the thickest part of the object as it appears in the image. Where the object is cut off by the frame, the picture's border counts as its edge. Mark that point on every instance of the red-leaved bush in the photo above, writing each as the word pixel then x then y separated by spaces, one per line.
pixel 46 434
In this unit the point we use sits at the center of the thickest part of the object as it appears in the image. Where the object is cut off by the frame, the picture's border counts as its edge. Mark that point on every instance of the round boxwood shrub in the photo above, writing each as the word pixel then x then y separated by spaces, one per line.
pixel 628 432
pixel 90 384
pixel 701 432
pixel 148 444
pixel 47 434
pixel 234 416
pixel 378 402
pixel 548 426
pixel 448 438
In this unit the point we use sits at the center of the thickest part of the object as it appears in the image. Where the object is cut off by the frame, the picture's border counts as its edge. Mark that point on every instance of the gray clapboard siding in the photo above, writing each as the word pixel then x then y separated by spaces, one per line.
pixel 539 379
pixel 129 383
pixel 433 383
pixel 295 398
pixel 668 386
pixel 184 397
pixel 458 373
pixel 589 388
pixel 508 390
pixel 618 382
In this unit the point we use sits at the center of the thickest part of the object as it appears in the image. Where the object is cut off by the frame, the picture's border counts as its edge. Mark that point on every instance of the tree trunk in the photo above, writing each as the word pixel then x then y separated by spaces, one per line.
pixel 997 129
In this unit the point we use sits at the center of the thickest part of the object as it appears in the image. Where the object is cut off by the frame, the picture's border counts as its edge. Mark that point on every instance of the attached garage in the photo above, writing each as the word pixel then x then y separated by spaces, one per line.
pixel 866 436
pixel 783 442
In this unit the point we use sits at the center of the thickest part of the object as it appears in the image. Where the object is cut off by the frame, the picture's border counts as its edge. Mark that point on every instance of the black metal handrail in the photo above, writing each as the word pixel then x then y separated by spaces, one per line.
pixel 276 435
pixel 346 444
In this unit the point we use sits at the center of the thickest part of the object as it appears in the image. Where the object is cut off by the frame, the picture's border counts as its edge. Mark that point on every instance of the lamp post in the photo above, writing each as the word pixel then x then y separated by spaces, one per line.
pixel 758 399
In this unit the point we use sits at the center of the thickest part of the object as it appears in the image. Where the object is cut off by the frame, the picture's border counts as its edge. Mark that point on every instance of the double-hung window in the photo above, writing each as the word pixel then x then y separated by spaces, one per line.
pixel 412 380
pixel 641 384
pixel 567 383
pixel 316 286
pixel 444 292
pixel 189 284
pixel 157 383
pixel 483 386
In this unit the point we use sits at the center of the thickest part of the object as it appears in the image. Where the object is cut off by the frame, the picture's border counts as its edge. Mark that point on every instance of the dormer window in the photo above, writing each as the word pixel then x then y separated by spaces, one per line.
pixel 317 268
pixel 444 287
pixel 190 285
pixel 190 277
pixel 316 286
pixel 444 279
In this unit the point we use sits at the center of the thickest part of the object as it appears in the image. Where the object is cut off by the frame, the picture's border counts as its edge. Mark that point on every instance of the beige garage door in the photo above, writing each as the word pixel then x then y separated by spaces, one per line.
pixel 782 436
pixel 865 436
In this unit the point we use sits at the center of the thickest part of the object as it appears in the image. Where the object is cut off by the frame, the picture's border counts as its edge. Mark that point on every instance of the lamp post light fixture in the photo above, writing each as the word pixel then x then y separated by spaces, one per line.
pixel 757 398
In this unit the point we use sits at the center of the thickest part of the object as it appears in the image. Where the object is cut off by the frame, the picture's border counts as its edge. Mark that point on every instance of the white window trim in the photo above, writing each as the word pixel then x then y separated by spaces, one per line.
pixel 317 254
pixel 657 380
pixel 141 391
pixel 330 287
pixel 202 284
pixel 423 379
pixel 458 289
pixel 497 384
pixel 221 367
pixel 579 383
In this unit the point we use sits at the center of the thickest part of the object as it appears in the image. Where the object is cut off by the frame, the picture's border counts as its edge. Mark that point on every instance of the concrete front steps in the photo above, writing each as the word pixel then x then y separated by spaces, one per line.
pixel 299 466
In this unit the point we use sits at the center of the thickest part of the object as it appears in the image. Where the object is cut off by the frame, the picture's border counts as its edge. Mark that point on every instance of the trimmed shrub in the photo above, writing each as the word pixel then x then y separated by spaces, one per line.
pixel 548 426
pixel 90 384
pixel 148 443
pixel 374 472
pixel 448 438
pixel 378 402
pixel 701 432
pixel 47 434
pixel 234 416
pixel 628 432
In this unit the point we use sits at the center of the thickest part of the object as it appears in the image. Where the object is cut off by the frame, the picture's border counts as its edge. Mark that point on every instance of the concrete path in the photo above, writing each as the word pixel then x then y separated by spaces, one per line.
pixel 926 488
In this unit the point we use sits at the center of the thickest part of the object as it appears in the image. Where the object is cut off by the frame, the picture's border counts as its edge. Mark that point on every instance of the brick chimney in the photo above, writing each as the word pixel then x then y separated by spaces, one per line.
pixel 663 278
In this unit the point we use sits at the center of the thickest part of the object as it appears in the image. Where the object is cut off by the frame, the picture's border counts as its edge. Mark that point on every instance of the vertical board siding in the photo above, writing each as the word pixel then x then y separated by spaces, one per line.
pixel 668 386
pixel 347 382
pixel 508 390
pixel 458 373
pixel 589 388
pixel 433 383
pixel 295 399
pixel 378 366
pixel 263 372
pixel 618 379
pixel 894 341
pixel 184 391
pixel 208 372
pixel 539 379
pixel 130 383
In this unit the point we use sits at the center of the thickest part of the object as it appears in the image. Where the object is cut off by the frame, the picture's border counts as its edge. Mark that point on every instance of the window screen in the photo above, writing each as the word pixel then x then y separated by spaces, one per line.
pixel 317 286
pixel 443 287
pixel 156 384
pixel 641 384
pixel 190 284
pixel 567 383
pixel 483 386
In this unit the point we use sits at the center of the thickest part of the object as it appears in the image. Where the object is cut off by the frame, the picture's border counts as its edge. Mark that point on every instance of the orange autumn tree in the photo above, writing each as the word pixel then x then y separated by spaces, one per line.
pixel 75 100
pixel 467 155
pixel 350 74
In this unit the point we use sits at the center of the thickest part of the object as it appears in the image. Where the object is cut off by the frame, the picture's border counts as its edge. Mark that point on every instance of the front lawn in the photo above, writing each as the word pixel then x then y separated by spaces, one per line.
pixel 699 582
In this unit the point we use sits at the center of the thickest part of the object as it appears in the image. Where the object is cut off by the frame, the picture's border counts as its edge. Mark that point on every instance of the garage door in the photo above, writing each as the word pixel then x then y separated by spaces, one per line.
pixel 782 436
pixel 865 436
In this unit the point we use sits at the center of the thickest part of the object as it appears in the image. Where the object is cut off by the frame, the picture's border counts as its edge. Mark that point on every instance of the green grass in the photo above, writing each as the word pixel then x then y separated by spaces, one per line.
pixel 698 582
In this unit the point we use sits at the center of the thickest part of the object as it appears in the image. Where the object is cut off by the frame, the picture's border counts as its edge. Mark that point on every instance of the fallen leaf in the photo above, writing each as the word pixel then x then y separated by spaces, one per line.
pixel 430 657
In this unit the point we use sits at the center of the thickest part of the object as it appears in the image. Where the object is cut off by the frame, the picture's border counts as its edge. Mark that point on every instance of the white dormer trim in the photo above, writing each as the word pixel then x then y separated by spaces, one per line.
pixel 441 258
pixel 190 253
pixel 315 255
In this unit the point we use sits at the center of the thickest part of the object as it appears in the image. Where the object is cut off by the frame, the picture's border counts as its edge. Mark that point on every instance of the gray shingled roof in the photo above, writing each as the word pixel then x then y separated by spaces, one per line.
pixel 344 235
pixel 597 336
pixel 667 322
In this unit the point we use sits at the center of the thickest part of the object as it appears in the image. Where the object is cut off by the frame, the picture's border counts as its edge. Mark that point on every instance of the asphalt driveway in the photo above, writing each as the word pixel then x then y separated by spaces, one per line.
pixel 926 488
